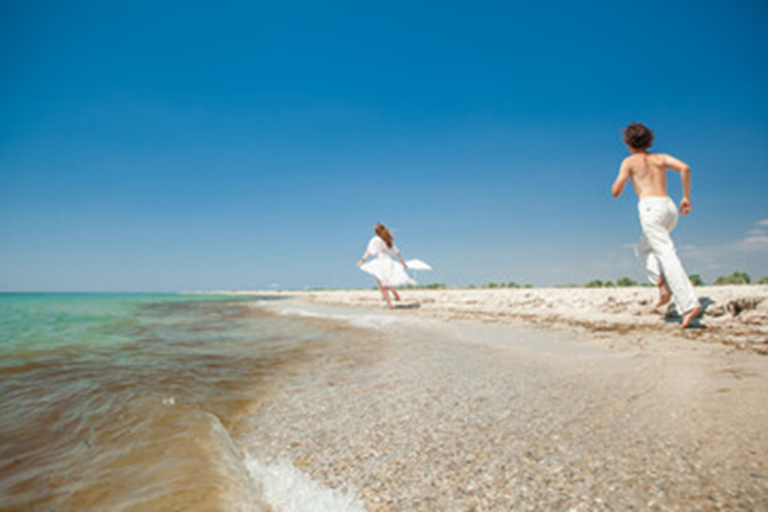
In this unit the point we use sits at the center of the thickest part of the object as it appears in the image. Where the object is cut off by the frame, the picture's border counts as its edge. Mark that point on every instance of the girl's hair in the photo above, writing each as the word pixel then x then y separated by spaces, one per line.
pixel 383 233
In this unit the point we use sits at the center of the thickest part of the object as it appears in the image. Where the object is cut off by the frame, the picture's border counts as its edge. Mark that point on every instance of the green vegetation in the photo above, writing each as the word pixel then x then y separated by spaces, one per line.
pixel 735 278
pixel 626 282
pixel 491 286
pixel 431 286
pixel 503 285
pixel 763 280
pixel 597 283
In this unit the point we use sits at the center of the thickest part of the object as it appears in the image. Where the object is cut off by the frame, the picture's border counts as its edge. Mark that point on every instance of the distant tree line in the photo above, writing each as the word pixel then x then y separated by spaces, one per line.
pixel 430 286
pixel 735 278
pixel 510 284
pixel 622 282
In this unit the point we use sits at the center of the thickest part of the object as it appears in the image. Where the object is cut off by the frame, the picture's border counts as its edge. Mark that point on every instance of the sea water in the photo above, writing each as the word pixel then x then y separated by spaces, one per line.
pixel 131 402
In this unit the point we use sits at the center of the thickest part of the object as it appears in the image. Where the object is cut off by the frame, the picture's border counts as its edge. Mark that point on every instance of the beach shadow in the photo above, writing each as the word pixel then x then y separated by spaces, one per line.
pixel 673 317
pixel 408 305
pixel 677 319
pixel 705 303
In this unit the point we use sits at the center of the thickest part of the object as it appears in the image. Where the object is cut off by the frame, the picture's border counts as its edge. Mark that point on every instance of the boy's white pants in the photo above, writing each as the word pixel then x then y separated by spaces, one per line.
pixel 658 217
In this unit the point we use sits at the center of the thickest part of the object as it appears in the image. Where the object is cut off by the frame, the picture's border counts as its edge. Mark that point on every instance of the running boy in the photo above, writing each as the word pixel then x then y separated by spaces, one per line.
pixel 658 217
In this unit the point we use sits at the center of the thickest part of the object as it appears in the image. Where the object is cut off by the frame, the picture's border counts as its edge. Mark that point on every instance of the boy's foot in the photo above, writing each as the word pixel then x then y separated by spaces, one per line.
pixel 689 316
pixel 665 294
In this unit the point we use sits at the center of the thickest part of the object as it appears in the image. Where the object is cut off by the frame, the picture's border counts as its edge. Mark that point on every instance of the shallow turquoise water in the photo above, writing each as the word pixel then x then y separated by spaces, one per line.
pixel 40 321
pixel 114 401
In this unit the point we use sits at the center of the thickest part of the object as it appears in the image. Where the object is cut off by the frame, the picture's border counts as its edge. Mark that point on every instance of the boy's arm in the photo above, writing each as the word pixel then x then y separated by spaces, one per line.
pixel 621 179
pixel 685 176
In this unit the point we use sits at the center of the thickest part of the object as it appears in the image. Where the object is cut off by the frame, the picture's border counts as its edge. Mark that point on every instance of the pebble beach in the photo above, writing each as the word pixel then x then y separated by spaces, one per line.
pixel 529 399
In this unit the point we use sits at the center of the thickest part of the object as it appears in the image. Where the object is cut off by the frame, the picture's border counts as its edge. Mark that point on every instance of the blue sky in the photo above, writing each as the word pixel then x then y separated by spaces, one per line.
pixel 181 146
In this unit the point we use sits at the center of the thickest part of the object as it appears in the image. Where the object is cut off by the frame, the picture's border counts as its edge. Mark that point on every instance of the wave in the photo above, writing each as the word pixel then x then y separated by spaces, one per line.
pixel 286 489
pixel 118 404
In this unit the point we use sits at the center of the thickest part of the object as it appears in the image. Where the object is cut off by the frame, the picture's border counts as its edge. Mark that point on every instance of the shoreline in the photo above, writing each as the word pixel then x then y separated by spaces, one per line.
pixel 733 316
pixel 427 414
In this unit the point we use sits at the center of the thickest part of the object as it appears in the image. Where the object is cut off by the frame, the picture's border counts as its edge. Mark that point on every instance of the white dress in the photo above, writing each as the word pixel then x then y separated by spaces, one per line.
pixel 384 266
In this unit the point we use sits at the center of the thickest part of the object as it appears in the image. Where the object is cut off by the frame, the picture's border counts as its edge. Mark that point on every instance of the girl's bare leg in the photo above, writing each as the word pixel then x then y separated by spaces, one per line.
pixel 384 293
pixel 394 293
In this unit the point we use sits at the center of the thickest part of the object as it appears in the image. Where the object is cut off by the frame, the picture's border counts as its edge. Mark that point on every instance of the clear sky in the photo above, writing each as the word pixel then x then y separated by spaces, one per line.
pixel 181 146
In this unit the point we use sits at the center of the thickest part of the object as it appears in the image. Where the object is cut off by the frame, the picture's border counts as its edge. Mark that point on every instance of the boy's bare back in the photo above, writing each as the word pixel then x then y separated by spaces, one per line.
pixel 648 172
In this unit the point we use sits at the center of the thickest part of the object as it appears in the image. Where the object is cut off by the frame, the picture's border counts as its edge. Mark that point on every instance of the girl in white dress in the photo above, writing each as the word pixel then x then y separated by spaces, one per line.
pixel 388 272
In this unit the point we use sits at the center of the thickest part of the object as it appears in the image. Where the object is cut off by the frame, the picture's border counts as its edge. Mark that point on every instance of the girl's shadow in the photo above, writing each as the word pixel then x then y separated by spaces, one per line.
pixel 407 305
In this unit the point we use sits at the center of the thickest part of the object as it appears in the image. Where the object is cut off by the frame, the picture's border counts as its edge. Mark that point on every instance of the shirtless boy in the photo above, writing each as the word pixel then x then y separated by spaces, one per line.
pixel 658 217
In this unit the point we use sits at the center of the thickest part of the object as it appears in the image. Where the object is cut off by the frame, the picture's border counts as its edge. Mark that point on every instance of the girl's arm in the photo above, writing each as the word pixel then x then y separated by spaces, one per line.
pixel 362 260
pixel 401 259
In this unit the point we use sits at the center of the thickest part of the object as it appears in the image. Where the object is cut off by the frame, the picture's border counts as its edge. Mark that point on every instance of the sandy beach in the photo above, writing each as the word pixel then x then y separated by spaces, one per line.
pixel 460 400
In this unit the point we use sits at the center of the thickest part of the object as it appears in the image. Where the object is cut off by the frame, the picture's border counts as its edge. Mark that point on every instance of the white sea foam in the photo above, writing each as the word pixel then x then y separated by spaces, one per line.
pixel 356 318
pixel 286 489
pixel 359 320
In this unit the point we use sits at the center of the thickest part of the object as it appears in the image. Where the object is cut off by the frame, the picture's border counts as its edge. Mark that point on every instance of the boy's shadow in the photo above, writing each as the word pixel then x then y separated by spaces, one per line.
pixel 407 305
pixel 672 315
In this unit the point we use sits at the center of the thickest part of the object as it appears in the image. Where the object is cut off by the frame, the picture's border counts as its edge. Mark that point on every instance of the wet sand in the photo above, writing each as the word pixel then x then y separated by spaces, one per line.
pixel 460 415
